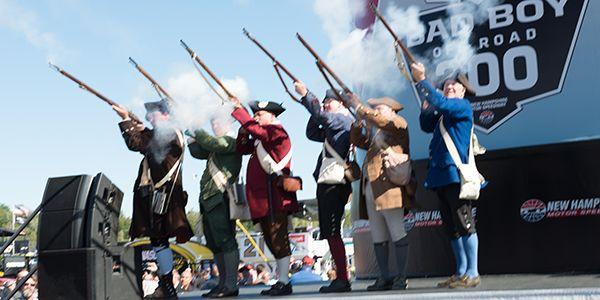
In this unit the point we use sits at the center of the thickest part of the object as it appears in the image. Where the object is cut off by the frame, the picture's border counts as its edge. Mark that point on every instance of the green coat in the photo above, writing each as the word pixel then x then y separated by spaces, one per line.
pixel 221 151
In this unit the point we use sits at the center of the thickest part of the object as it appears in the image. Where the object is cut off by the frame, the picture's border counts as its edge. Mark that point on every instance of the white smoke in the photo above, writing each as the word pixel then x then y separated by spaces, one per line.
pixel 194 103
pixel 368 63
pixel 20 20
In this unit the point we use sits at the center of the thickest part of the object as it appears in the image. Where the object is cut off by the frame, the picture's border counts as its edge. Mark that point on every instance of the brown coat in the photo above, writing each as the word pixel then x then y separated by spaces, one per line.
pixel 162 153
pixel 379 134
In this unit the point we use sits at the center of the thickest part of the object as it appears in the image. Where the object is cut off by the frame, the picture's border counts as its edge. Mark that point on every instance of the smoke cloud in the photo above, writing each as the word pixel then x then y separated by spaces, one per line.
pixel 366 59
pixel 26 23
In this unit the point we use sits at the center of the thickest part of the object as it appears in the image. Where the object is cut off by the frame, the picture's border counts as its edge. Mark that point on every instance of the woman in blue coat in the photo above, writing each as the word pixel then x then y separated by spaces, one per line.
pixel 451 108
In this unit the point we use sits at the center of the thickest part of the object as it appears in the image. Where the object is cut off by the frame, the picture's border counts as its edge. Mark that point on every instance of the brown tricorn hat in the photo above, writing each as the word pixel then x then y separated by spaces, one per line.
pixel 393 104
pixel 462 79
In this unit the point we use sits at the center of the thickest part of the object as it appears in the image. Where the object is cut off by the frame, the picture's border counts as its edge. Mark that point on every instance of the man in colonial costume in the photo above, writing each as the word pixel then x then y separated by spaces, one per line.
pixel 158 198
pixel 269 198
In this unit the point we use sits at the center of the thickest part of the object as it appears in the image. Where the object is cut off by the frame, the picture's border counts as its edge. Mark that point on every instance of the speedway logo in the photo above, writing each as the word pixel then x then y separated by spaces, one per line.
pixel 523 51
pixel 534 210
pixel 428 218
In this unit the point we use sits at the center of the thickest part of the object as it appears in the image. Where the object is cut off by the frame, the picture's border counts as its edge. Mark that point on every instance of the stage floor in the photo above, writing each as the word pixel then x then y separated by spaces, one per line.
pixel 556 286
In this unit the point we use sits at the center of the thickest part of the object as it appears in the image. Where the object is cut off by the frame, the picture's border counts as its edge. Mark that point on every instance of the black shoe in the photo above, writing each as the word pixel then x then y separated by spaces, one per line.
pixel 278 289
pixel 225 292
pixel 165 289
pixel 399 283
pixel 212 292
pixel 381 284
pixel 337 286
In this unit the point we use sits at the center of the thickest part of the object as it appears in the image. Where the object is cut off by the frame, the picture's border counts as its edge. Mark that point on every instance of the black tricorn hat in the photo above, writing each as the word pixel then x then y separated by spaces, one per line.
pixel 163 106
pixel 462 79
pixel 272 107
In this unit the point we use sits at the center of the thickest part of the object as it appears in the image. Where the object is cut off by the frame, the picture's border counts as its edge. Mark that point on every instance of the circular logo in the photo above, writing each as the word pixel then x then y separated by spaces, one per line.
pixel 486 117
pixel 533 210
pixel 409 221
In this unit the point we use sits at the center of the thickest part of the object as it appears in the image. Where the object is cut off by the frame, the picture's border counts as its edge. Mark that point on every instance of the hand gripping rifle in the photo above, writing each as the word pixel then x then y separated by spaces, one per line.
pixel 398 44
pixel 324 69
pixel 84 86
pixel 161 92
pixel 276 65
pixel 210 73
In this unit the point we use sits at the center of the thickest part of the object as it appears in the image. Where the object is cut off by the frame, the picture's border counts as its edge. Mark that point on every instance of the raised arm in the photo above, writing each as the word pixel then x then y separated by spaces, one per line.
pixel 136 138
pixel 223 144
pixel 357 137
pixel 378 120
pixel 249 124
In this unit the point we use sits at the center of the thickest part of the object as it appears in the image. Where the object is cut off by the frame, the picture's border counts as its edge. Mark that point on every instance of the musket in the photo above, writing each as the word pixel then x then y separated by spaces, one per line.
pixel 275 61
pixel 210 73
pixel 323 64
pixel 409 56
pixel 276 64
pixel 86 87
pixel 152 81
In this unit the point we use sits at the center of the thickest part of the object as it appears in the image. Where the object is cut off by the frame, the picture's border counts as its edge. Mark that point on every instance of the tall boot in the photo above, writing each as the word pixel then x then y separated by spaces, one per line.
pixel 383 282
pixel 401 249
pixel 219 261
pixel 231 260
pixel 165 289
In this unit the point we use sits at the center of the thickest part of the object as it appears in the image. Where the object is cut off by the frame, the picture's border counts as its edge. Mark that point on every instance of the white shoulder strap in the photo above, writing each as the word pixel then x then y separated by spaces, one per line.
pixel 268 164
pixel 333 153
pixel 217 175
pixel 176 166
pixel 452 147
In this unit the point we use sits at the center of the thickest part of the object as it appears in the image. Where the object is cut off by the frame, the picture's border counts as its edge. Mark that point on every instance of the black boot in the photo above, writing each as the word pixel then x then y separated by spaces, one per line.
pixel 165 289
pixel 401 249
pixel 336 286
pixel 218 258
pixel 231 260
pixel 278 289
pixel 384 282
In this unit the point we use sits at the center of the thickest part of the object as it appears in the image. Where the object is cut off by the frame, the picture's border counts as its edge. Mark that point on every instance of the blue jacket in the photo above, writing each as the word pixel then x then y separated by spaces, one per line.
pixel 458 120
pixel 324 125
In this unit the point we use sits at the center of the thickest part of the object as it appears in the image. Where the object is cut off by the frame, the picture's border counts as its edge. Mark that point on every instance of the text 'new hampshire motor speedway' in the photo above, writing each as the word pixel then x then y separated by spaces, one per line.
pixel 500 16
pixel 573 208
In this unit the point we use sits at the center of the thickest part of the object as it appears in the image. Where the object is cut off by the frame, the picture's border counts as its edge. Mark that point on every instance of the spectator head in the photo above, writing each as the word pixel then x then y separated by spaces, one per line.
pixel 307 261
pixel 22 274
pixel 260 268
pixel 331 275
pixel 30 287
pixel 186 277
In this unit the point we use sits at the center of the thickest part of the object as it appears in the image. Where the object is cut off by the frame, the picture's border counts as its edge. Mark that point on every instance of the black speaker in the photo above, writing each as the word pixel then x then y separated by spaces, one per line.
pixel 62 214
pixel 79 212
pixel 89 273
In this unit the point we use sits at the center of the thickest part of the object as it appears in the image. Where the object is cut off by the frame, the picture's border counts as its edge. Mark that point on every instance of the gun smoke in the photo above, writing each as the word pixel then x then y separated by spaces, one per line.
pixel 365 57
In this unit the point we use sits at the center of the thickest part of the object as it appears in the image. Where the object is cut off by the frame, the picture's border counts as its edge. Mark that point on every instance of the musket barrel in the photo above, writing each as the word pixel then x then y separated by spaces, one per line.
pixel 409 56
pixel 323 64
pixel 271 56
pixel 86 87
pixel 206 68
pixel 154 83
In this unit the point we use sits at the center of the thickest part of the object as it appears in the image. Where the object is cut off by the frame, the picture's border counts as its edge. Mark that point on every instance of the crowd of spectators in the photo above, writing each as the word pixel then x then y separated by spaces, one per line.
pixel 28 291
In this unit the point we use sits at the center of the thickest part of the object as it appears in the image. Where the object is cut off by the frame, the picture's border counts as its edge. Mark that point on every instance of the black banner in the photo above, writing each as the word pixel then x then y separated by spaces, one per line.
pixel 540 213
pixel 523 51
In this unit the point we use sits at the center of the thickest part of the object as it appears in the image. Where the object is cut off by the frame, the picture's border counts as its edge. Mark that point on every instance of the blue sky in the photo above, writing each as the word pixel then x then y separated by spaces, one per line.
pixel 51 128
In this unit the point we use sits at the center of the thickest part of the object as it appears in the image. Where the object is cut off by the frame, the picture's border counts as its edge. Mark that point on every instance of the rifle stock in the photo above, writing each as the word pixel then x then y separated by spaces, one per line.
pixel 154 83
pixel 86 87
pixel 409 56
pixel 210 73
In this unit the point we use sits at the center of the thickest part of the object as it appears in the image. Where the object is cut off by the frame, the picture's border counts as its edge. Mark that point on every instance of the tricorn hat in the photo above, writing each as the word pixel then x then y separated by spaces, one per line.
pixel 393 104
pixel 462 79
pixel 272 107
pixel 163 106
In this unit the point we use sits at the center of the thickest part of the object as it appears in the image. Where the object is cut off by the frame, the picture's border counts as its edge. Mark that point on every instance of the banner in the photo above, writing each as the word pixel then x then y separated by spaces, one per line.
pixel 540 213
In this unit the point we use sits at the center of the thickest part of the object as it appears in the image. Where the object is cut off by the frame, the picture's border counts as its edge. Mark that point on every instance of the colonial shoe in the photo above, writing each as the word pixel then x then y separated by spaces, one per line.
pixel 381 284
pixel 448 282
pixel 466 282
pixel 337 286
pixel 225 293
pixel 278 289
pixel 399 283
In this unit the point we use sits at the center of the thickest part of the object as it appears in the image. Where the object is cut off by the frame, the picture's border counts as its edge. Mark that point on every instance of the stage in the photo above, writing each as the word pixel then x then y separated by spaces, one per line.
pixel 556 286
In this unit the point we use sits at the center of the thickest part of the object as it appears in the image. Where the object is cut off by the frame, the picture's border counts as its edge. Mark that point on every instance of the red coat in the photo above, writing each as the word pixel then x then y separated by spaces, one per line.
pixel 277 143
